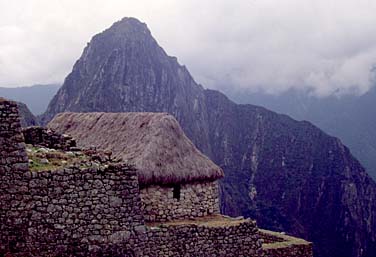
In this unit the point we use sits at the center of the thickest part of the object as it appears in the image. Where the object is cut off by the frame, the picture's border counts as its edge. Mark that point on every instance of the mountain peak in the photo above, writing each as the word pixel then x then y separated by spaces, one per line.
pixel 124 69
pixel 129 21
pixel 129 25
pixel 127 28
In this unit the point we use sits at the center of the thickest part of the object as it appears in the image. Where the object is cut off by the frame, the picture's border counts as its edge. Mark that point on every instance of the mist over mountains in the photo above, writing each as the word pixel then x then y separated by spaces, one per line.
pixel 36 97
pixel 288 175
pixel 272 45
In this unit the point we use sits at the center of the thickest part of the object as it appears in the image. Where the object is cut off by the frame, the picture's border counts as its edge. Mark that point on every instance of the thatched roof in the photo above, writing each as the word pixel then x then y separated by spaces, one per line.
pixel 153 142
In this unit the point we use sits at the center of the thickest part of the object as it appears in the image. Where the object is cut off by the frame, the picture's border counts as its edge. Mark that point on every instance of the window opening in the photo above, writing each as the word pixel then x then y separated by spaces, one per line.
pixel 176 192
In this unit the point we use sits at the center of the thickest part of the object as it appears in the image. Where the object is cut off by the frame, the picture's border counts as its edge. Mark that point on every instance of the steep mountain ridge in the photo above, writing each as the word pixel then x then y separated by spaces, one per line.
pixel 292 177
pixel 289 175
pixel 349 117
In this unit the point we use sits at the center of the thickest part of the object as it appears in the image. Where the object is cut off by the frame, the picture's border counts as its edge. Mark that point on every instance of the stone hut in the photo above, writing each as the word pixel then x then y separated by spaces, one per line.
pixel 176 180
pixel 82 209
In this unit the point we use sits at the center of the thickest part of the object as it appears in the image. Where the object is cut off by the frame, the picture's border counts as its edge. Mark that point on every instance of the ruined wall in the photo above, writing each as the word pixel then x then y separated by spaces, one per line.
pixel 70 212
pixel 46 137
pixel 196 200
pixel 240 239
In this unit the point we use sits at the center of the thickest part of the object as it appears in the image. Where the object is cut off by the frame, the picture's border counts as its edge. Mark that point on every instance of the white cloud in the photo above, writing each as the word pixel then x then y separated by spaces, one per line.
pixel 266 45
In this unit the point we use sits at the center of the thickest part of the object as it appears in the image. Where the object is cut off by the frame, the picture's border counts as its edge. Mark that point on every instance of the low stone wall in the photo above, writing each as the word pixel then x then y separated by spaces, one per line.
pixel 195 200
pixel 239 239
pixel 279 245
pixel 46 137
pixel 289 251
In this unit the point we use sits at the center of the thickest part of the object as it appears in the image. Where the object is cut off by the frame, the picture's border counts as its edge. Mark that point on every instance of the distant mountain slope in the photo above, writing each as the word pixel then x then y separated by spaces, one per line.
pixel 293 176
pixel 288 175
pixel 351 118
pixel 27 118
pixel 35 97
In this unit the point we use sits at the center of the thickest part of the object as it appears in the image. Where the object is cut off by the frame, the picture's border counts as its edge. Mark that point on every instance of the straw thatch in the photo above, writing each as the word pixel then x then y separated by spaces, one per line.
pixel 153 142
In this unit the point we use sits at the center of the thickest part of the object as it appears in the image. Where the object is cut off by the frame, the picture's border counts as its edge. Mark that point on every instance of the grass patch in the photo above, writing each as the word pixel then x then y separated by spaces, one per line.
pixel 43 159
pixel 36 165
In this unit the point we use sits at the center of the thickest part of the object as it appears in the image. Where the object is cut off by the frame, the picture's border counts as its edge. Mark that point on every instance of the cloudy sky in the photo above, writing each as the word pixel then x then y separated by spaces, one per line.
pixel 270 45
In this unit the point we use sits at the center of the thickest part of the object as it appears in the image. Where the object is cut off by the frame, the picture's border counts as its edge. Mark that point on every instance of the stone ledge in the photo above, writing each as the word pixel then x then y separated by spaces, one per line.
pixel 214 235
pixel 281 245
pixel 280 240
pixel 215 220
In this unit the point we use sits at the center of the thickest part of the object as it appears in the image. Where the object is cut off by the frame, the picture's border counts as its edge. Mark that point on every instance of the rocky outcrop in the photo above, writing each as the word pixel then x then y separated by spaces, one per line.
pixel 289 175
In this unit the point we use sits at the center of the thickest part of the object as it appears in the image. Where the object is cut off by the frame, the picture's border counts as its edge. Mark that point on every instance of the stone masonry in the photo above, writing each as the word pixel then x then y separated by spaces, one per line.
pixel 239 239
pixel 73 212
pixel 14 186
pixel 83 207
pixel 195 200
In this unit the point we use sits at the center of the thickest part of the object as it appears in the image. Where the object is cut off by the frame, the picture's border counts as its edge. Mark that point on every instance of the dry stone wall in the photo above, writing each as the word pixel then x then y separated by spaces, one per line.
pixel 84 207
pixel 74 211
pixel 193 200
pixel 13 186
pixel 197 240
